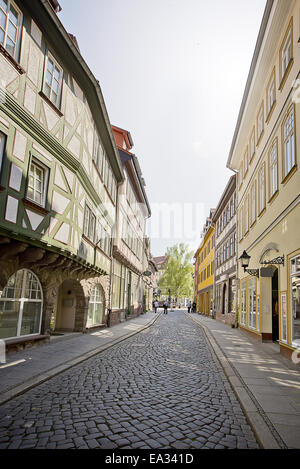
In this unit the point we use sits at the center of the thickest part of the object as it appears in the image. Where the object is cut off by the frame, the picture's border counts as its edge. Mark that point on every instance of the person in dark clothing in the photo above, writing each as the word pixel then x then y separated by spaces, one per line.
pixel 166 305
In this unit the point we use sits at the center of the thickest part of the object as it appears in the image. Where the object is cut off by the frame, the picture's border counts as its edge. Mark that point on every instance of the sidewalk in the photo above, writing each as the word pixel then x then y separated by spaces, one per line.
pixel 266 383
pixel 26 369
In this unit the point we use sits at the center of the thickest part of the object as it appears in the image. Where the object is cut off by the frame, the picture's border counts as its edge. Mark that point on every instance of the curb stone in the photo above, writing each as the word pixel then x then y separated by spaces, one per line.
pixel 265 438
pixel 35 381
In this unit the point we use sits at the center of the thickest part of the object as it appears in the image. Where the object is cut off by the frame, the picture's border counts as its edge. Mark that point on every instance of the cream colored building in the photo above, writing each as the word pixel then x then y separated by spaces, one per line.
pixel 265 151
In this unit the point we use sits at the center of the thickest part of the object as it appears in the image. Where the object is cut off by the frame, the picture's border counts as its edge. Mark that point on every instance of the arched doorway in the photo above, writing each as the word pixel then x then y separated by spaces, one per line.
pixel 21 305
pixel 71 307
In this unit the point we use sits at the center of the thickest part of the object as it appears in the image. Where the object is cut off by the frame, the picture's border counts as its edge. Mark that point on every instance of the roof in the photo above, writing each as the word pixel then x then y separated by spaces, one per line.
pixel 160 260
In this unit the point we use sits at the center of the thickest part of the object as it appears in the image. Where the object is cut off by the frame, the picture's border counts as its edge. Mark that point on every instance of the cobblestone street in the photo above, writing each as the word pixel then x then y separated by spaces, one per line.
pixel 163 388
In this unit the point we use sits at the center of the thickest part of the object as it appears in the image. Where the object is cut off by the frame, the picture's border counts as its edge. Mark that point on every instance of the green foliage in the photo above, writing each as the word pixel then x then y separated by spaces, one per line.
pixel 177 272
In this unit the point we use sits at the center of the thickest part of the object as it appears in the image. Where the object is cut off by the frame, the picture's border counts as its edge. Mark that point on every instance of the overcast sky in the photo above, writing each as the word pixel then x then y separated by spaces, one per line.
pixel 173 73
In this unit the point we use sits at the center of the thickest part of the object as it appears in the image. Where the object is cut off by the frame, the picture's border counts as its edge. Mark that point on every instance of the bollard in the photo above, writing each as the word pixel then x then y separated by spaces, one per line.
pixel 2 352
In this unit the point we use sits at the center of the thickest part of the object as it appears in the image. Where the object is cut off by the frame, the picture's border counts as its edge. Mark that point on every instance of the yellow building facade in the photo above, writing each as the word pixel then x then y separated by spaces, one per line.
pixel 204 270
pixel 265 152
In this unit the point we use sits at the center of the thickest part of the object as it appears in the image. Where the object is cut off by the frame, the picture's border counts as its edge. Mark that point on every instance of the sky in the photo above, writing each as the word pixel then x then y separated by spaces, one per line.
pixel 172 73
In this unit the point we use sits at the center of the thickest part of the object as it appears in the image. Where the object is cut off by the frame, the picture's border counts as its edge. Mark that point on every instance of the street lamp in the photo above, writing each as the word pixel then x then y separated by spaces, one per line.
pixel 245 260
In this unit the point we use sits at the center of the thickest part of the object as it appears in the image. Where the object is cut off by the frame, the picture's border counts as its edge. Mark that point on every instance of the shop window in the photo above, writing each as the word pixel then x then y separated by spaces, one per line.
pixel 252 303
pixel 21 306
pixel 295 300
pixel 243 303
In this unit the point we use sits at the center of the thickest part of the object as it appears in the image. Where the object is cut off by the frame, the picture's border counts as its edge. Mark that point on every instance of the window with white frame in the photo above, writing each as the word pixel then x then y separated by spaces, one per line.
pixel 96 307
pixel 252 144
pixel 252 303
pixel 271 96
pixel 260 122
pixel 286 52
pixel 10 26
pixel 21 305
pixel 245 162
pixel 273 164
pixel 241 228
pixel 98 152
pixel 295 299
pixel 262 188
pixel 89 224
pixel 253 203
pixel 289 157
pixel 247 214
pixel 53 80
pixel 37 182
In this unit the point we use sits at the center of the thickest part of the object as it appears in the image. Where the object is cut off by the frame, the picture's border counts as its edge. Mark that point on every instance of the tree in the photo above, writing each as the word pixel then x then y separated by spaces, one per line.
pixel 177 272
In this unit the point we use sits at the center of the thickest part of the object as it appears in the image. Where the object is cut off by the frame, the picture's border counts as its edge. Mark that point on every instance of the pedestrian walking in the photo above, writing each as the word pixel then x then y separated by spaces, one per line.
pixel 155 306
pixel 194 307
pixel 166 305
pixel 189 305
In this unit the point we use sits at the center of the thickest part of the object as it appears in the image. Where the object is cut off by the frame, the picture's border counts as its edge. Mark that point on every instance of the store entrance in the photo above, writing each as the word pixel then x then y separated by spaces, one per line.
pixel 275 307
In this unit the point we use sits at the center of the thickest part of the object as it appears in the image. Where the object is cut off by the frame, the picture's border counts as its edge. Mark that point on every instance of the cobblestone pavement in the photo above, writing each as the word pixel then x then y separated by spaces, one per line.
pixel 162 388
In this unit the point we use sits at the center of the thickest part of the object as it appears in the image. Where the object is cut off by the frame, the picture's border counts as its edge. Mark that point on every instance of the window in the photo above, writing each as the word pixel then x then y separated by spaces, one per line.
pixel 262 188
pixel 53 80
pixel 241 233
pixel 10 26
pixel 2 146
pixel 243 303
pixel 273 163
pixel 252 303
pixel 260 122
pixel 98 152
pixel 289 157
pixel 231 246
pixel 252 144
pixel 253 203
pixel 21 306
pixel 245 162
pixel 37 182
pixel 271 94
pixel 247 214
pixel 295 300
pixel 241 174
pixel 286 51
pixel 96 307
pixel 89 224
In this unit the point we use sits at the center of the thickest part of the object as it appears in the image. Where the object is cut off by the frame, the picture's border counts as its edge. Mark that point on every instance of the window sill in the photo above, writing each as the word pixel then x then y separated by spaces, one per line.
pixel 289 175
pixel 48 101
pixel 32 205
pixel 273 197
pixel 284 78
pixel 14 63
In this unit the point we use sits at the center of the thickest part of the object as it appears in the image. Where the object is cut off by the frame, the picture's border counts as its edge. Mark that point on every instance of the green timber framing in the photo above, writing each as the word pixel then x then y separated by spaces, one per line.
pixel 49 240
